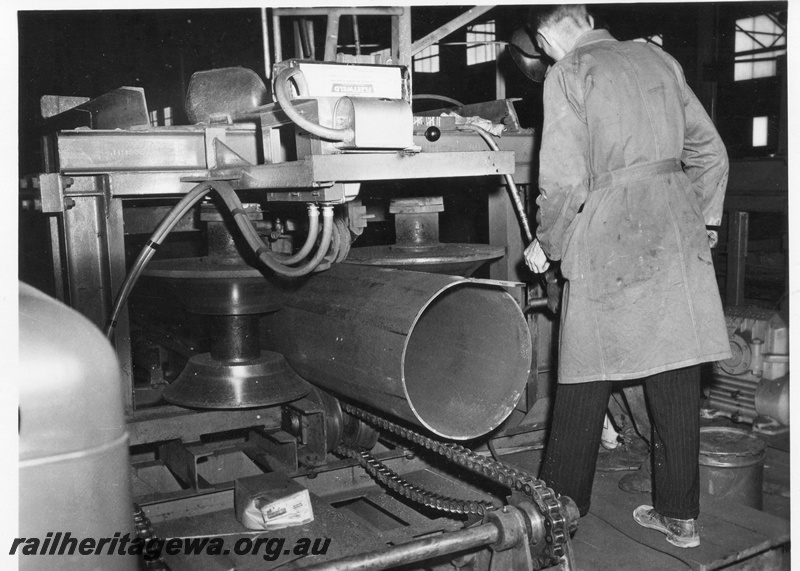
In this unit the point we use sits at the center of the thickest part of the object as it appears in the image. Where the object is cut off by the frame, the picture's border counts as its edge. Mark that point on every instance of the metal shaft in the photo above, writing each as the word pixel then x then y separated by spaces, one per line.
pixel 414 551
pixel 235 337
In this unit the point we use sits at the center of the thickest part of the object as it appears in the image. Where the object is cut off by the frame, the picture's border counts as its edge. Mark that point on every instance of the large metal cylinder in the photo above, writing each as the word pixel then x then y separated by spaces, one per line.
pixel 443 352
pixel 73 444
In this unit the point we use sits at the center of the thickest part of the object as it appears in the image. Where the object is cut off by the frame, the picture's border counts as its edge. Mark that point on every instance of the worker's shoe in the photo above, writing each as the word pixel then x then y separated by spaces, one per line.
pixel 679 532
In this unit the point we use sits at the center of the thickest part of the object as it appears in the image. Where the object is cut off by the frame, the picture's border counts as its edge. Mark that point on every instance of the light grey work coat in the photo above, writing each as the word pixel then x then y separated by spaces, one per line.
pixel 625 217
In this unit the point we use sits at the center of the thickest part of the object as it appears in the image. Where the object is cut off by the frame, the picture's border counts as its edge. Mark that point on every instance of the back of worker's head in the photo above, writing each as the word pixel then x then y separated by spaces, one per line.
pixel 557 28
pixel 565 14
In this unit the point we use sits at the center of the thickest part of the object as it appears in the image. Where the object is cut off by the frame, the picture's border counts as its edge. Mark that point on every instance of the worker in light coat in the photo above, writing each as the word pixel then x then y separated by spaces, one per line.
pixel 632 171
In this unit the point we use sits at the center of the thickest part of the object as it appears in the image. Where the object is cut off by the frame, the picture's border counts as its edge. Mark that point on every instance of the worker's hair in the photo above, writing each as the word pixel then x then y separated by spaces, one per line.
pixel 549 15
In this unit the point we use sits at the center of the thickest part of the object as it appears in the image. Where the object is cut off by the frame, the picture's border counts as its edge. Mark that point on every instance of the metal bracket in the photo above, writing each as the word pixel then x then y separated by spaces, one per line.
pixel 181 461
pixel 51 192
pixel 278 444
pixel 305 420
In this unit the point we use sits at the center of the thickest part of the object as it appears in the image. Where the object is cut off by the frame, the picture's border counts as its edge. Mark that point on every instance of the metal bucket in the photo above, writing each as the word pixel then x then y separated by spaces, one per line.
pixel 443 352
pixel 731 465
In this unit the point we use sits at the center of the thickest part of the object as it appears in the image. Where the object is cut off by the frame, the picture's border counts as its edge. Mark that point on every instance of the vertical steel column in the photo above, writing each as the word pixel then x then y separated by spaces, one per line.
pixel 737 253
pixel 93 244
pixel 59 278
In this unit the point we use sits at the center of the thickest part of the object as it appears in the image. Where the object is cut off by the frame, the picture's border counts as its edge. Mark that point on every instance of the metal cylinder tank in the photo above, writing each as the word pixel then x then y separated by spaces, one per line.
pixel 447 353
pixel 73 444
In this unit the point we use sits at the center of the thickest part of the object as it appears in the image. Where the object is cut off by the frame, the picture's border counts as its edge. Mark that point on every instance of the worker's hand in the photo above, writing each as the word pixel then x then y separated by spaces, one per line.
pixel 713 237
pixel 535 258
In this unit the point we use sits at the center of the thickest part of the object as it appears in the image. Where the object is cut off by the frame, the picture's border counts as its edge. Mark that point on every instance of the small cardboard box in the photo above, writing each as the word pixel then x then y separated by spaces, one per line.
pixel 271 501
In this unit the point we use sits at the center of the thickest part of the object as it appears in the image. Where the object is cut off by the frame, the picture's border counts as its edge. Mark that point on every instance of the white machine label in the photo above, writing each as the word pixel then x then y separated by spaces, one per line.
pixel 361 81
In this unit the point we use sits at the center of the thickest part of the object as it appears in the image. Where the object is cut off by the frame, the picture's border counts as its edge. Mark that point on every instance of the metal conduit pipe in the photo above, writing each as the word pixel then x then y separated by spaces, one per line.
pixel 419 550
pixel 284 97
pixel 446 353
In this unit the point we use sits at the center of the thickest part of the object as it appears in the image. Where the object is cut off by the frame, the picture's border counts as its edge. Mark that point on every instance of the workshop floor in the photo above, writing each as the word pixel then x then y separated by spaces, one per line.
pixel 361 517
pixel 608 537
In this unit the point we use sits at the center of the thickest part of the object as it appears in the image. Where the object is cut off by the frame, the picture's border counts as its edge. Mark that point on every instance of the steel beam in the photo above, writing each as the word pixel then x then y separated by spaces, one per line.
pixel 171 422
pixel 323 170
pixel 449 28
pixel 103 151
pixel 357 11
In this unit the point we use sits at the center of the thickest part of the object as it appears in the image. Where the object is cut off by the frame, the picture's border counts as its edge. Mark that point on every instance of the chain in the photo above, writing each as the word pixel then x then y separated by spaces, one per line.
pixel 555 523
pixel 397 483
pixel 144 531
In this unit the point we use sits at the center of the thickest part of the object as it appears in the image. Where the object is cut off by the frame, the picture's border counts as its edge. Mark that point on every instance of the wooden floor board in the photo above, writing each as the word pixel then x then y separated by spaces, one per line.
pixel 599 546
pixel 729 532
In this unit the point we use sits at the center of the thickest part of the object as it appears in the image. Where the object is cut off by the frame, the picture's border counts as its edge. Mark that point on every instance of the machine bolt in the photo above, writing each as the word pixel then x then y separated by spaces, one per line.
pixel 69 203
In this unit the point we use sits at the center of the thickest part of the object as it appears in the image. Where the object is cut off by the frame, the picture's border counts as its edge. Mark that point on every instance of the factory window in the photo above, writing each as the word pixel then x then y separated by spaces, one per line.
pixel 656 39
pixel 481 46
pixel 760 131
pixel 759 42
pixel 427 61
pixel 162 117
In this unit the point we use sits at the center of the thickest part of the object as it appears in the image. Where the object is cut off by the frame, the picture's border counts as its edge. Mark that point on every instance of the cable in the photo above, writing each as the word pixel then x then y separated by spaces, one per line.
pixel 553 291
pixel 313 232
pixel 233 204
pixel 512 187
pixel 184 205
pixel 333 251
pixel 435 97
pixel 284 99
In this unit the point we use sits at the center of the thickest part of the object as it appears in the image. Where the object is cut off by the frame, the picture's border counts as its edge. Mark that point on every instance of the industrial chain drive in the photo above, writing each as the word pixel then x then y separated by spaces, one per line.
pixel 397 483
pixel 555 521
pixel 144 530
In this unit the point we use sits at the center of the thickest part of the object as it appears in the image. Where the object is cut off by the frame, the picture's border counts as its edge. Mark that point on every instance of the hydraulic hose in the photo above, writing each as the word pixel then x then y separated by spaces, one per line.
pixel 325 243
pixel 512 187
pixel 313 232
pixel 434 97
pixel 553 299
pixel 234 205
pixel 184 205
pixel 333 251
pixel 283 95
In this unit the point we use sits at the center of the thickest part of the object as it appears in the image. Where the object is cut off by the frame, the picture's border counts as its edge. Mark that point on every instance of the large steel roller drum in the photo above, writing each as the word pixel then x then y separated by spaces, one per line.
pixel 447 353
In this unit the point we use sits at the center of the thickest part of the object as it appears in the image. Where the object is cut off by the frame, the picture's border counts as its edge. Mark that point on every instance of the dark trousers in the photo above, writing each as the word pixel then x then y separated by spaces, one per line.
pixel 673 401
